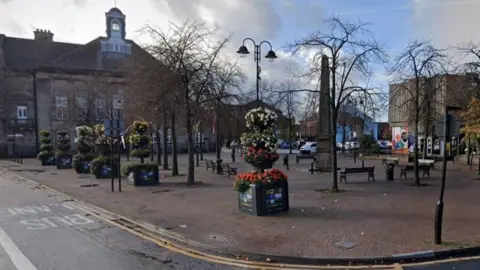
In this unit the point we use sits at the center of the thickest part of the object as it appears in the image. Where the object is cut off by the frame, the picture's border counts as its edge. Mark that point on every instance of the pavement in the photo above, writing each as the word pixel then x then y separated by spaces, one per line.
pixel 369 219
pixel 40 231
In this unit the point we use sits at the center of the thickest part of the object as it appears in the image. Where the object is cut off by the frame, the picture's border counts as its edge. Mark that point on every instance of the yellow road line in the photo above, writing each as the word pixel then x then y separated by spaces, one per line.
pixel 214 258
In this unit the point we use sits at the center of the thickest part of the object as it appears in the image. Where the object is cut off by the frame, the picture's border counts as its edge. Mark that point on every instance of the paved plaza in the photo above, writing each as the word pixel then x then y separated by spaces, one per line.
pixel 368 219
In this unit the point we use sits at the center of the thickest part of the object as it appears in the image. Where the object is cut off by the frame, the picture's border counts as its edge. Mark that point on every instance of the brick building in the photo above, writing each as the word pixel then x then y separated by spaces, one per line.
pixel 56 86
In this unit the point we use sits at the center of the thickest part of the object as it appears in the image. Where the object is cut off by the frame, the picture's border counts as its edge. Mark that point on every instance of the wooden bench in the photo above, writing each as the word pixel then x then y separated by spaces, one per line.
pixel 298 157
pixel 210 165
pixel 228 170
pixel 421 167
pixel 393 160
pixel 358 170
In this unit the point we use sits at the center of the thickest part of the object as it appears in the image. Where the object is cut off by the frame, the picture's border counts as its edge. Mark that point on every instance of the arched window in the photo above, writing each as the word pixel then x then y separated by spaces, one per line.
pixel 116 26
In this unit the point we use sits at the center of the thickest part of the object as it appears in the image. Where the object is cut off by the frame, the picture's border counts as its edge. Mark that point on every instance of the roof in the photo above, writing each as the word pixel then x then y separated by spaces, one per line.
pixel 26 54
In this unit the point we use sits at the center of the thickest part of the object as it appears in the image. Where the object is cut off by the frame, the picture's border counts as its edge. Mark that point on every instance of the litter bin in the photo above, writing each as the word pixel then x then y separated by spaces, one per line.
pixel 389 171
pixel 285 162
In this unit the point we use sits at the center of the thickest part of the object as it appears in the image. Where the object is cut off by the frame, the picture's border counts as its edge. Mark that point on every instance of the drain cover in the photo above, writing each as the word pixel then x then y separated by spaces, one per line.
pixel 345 244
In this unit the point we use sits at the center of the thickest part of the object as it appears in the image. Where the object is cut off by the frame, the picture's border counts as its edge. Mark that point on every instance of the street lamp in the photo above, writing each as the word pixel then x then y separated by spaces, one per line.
pixel 439 208
pixel 243 51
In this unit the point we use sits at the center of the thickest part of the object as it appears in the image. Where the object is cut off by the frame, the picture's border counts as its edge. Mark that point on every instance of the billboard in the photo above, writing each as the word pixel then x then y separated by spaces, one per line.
pixel 401 140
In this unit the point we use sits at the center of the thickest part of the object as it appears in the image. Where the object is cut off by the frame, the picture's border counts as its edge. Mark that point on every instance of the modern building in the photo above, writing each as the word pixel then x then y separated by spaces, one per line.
pixel 434 94
pixel 55 86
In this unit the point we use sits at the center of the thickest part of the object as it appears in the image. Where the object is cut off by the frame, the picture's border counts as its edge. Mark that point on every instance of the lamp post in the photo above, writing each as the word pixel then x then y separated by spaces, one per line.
pixel 355 103
pixel 243 51
pixel 439 208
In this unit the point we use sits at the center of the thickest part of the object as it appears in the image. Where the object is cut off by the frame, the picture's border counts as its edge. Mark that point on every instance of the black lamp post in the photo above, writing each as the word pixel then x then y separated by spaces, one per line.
pixel 257 58
pixel 439 208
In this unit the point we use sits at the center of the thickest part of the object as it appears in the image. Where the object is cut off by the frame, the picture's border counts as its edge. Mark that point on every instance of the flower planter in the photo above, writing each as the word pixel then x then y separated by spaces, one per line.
pixel 64 162
pixel 48 161
pixel 263 166
pixel 264 199
pixel 106 172
pixel 143 176
pixel 83 167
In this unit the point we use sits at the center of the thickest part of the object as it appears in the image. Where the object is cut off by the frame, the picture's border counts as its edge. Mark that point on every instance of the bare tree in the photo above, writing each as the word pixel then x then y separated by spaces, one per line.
pixel 190 51
pixel 417 72
pixel 351 50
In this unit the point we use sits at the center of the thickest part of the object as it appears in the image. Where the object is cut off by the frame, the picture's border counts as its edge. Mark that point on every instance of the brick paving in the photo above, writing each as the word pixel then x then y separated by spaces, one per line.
pixel 378 218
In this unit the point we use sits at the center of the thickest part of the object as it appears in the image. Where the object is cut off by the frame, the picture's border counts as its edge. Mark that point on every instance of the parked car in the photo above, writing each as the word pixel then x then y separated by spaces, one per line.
pixel 308 148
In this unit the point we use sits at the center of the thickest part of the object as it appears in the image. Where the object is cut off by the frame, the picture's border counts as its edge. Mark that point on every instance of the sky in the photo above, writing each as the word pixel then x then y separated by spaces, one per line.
pixel 394 23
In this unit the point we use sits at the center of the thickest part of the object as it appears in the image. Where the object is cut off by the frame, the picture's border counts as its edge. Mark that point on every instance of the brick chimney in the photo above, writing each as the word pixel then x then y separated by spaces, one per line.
pixel 43 35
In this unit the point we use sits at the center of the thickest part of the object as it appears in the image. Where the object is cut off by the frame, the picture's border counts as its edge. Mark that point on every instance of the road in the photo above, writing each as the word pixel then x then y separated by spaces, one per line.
pixel 37 231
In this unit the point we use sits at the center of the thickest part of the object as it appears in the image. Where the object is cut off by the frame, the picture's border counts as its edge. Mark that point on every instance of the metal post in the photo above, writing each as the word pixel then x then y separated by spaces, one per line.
pixel 159 148
pixel 196 152
pixel 290 122
pixel 35 110
pixel 119 158
pixel 152 147
pixel 111 155
pixel 201 146
pixel 440 204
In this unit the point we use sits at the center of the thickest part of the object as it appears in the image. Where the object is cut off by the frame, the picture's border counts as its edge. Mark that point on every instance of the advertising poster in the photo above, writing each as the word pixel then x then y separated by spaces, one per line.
pixel 400 140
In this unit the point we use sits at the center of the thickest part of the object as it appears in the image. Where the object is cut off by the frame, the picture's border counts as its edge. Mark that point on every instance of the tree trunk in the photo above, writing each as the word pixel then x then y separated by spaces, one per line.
pixel 191 149
pixel 344 135
pixel 174 147
pixel 415 156
pixel 165 143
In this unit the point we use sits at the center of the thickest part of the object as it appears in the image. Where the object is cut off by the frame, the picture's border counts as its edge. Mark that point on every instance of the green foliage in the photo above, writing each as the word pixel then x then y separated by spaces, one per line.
pixel 130 167
pixel 46 148
pixel 367 142
pixel 63 144
pixel 84 140
pixel 98 163
pixel 140 140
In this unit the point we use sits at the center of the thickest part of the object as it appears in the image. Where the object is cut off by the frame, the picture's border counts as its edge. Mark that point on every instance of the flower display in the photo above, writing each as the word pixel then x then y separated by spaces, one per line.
pixel 260 156
pixel 260 119
pixel 244 180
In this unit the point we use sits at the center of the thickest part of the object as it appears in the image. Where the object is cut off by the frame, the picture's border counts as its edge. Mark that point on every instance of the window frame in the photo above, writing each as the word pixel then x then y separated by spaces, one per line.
pixel 61 107
pixel 24 109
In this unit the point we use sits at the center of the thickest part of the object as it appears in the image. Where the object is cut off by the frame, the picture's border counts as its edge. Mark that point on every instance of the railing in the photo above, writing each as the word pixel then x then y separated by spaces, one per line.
pixel 21 124
pixel 17 158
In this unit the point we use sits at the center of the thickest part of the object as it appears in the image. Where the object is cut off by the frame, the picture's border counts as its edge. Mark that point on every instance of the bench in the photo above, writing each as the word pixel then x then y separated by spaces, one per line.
pixel 357 170
pixel 298 157
pixel 228 170
pixel 393 160
pixel 210 165
pixel 430 162
pixel 421 167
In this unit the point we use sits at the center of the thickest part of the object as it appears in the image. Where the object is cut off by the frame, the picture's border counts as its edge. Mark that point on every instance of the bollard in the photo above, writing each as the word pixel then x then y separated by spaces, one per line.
pixel 285 162
pixel 311 168
pixel 219 166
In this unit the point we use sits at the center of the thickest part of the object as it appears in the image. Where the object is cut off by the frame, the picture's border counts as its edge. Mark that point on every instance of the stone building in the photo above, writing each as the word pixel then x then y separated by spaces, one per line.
pixel 55 86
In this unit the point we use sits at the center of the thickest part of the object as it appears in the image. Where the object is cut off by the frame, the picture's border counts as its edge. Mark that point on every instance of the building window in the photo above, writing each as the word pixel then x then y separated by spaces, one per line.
pixel 116 48
pixel 129 49
pixel 61 108
pixel 110 47
pixel 117 104
pixel 81 107
pixel 122 48
pixel 104 47
pixel 22 112
pixel 100 109
pixel 116 26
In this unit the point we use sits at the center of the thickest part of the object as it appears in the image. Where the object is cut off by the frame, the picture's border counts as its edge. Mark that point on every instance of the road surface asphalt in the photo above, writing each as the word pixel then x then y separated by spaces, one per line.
pixel 37 231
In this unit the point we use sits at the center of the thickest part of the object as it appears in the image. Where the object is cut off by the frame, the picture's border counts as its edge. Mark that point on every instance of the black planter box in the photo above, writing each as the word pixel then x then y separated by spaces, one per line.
pixel 64 162
pixel 84 167
pixel 49 161
pixel 261 200
pixel 143 177
pixel 106 172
